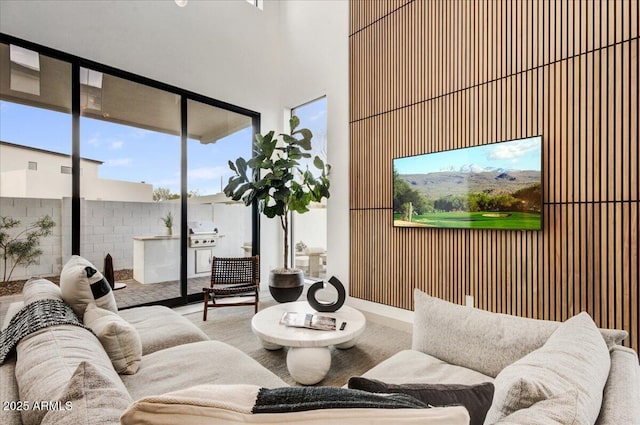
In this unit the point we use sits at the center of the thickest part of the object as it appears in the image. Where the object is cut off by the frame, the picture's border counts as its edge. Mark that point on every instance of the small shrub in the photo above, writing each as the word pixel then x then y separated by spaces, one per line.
pixel 22 248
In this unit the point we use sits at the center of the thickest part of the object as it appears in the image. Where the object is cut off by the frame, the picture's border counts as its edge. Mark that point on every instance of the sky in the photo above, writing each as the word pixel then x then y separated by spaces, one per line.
pixel 313 115
pixel 137 155
pixel 523 154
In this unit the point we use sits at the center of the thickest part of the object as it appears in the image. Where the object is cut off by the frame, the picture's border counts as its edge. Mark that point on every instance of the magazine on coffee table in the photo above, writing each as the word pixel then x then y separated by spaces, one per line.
pixel 308 320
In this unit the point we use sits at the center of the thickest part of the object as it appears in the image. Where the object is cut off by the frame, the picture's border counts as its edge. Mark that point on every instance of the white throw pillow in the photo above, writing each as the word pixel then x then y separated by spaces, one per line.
pixel 81 284
pixel 118 337
pixel 574 358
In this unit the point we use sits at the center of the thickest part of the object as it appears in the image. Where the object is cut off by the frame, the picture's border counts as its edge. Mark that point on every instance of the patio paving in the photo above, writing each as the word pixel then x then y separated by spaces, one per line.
pixel 135 293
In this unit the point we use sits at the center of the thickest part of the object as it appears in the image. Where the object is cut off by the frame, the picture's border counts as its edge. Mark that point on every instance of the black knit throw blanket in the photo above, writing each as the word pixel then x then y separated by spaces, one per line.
pixel 33 317
pixel 298 399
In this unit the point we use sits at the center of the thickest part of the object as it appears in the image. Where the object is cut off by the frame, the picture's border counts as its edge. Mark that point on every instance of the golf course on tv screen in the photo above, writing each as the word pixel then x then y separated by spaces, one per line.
pixel 494 186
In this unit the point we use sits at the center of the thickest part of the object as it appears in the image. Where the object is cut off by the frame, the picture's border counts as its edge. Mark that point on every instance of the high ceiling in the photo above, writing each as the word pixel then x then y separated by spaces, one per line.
pixel 116 100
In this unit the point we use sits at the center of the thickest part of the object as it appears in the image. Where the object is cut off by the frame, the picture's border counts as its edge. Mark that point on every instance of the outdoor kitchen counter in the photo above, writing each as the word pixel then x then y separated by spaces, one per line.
pixel 154 238
pixel 156 258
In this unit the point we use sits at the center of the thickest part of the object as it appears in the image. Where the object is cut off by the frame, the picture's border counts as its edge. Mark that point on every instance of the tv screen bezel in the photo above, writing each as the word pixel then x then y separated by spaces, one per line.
pixel 542 187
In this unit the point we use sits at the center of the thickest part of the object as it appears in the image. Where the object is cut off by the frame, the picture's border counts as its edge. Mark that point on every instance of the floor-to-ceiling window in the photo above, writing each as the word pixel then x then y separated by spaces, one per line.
pixel 217 225
pixel 131 192
pixel 35 164
pixel 127 168
pixel 309 230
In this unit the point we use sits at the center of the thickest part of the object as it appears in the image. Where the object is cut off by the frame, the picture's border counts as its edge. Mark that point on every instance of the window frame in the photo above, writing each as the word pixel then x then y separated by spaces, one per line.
pixel 76 217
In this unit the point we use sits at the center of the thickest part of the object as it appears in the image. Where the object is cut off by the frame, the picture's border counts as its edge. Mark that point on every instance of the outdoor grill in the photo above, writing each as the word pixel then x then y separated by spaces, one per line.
pixel 202 234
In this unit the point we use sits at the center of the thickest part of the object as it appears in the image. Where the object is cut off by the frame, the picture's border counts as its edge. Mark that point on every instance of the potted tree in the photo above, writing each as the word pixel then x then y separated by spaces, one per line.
pixel 280 185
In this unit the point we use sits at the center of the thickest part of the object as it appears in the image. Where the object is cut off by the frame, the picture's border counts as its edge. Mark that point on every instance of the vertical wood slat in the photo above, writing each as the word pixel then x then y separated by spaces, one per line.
pixel 506 69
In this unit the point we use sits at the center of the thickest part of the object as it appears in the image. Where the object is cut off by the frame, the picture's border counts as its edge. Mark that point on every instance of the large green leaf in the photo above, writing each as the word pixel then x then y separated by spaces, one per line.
pixel 299 202
pixel 305 142
pixel 232 183
pixel 282 194
pixel 277 209
pixel 318 162
pixel 243 189
pixel 290 140
pixel 241 165
pixel 294 122
pixel 268 145
pixel 257 161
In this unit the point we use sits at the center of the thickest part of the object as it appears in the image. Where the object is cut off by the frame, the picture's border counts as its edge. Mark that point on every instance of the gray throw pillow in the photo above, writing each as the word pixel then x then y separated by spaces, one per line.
pixel 478 339
pixel 475 398
pixel 91 398
pixel 575 358
pixel 557 410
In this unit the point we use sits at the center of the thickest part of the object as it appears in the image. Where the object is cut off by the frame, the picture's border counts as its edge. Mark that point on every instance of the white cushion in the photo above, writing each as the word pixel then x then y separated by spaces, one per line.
pixel 160 327
pixel 574 358
pixel 36 289
pixel 478 339
pixel 232 404
pixel 118 337
pixel 81 284
pixel 621 397
pixel 411 366
pixel 197 363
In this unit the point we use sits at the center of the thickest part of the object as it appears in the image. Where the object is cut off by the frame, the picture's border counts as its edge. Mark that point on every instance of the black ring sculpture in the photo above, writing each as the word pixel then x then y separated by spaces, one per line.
pixel 326 307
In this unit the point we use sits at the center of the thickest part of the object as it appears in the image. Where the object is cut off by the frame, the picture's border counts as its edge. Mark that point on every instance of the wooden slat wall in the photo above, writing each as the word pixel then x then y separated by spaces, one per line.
pixel 428 76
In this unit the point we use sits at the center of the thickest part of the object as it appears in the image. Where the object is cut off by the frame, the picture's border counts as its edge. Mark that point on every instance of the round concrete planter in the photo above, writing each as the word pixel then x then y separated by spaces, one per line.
pixel 286 285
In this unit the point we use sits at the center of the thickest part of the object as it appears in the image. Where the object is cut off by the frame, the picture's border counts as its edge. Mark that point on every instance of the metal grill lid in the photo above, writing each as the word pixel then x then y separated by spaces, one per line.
pixel 202 227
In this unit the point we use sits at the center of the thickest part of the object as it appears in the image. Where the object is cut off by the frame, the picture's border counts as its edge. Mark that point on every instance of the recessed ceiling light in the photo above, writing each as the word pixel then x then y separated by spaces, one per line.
pixel 181 3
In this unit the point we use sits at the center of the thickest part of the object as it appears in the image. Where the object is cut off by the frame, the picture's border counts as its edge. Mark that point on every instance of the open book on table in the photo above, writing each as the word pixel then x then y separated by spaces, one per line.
pixel 308 320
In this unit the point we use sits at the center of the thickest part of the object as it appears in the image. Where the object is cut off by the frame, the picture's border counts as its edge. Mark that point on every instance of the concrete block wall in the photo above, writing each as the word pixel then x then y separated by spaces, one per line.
pixel 28 210
pixel 108 227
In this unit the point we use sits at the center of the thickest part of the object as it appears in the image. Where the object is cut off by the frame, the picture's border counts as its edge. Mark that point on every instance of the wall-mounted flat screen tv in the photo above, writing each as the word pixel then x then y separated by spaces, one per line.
pixel 494 186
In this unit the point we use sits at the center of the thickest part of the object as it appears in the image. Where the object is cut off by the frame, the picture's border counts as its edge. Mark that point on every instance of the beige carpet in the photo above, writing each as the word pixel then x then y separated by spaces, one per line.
pixel 233 326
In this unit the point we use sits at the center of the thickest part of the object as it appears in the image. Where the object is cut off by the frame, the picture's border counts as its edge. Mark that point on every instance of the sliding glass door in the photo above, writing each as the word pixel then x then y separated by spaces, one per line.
pixel 217 225
pixel 130 184
pixel 129 170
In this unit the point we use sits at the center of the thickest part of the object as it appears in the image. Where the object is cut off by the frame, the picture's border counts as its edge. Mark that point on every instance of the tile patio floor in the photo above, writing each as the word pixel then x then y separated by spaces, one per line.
pixel 135 293
pixel 138 293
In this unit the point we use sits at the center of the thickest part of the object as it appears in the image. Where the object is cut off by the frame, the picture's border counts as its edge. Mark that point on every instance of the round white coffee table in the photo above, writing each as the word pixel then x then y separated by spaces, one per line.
pixel 308 357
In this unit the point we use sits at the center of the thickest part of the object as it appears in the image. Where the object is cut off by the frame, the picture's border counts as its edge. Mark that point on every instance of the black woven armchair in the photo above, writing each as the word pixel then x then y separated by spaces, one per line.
pixel 234 282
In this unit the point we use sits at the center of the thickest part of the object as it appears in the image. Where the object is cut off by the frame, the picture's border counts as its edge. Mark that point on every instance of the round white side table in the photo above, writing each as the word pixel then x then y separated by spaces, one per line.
pixel 308 356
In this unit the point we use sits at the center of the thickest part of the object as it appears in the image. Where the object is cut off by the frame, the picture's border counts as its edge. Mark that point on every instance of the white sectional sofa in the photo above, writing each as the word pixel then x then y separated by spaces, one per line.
pixel 454 344
pixel 181 370
pixel 180 377
pixel 176 354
